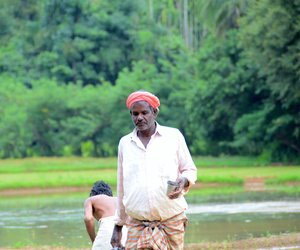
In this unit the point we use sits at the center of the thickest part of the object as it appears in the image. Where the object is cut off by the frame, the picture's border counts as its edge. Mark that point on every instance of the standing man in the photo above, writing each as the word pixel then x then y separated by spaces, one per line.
pixel 148 158
pixel 102 207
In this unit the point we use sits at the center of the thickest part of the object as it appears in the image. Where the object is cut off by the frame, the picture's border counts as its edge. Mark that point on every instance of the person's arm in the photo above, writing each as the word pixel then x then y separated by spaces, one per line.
pixel 186 167
pixel 183 184
pixel 116 236
pixel 121 214
pixel 89 219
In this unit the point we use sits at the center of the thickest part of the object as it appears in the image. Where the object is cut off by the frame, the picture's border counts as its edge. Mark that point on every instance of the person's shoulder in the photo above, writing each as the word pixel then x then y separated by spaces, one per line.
pixel 169 130
pixel 101 198
pixel 126 138
pixel 88 201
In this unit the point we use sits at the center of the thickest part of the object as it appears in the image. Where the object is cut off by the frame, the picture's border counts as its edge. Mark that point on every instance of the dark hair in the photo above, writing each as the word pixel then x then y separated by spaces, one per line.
pixel 100 187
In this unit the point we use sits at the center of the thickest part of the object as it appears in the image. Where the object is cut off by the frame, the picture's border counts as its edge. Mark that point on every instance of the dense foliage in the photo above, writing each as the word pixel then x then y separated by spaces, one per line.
pixel 227 73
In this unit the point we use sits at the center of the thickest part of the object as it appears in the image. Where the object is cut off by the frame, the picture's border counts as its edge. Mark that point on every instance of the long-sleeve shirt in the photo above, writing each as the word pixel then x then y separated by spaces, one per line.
pixel 143 174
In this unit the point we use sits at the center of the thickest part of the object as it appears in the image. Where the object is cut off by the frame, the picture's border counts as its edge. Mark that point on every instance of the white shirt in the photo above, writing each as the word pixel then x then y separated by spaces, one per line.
pixel 143 174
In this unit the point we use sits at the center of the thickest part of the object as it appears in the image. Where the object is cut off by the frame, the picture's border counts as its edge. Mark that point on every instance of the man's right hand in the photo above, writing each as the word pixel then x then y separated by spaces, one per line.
pixel 116 236
pixel 182 183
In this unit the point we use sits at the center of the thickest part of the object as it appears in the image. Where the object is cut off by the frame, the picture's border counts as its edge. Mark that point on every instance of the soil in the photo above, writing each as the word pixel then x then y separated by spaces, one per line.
pixel 250 184
pixel 288 241
pixel 57 190
pixel 254 184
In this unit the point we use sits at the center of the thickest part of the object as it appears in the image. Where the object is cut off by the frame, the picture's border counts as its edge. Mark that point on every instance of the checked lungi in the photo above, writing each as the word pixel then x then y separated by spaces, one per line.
pixel 157 235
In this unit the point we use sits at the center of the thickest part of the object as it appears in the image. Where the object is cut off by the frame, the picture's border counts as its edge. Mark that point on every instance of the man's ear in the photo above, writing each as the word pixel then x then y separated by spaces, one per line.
pixel 156 111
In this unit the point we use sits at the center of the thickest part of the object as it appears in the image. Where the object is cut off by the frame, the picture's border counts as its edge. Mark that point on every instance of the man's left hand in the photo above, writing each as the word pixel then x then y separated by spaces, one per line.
pixel 182 183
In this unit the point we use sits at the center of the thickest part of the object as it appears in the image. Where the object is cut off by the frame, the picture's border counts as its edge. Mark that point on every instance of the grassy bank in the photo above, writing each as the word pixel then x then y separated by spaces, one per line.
pixel 222 175
pixel 222 180
pixel 288 241
pixel 48 164
pixel 54 164
pixel 80 172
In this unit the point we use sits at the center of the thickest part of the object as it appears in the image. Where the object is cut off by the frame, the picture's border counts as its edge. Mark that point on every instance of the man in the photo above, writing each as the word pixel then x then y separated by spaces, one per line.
pixel 102 207
pixel 148 158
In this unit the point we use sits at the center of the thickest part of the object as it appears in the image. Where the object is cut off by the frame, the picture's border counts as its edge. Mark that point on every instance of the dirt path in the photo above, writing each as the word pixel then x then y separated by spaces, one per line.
pixel 289 241
pixel 58 190
pixel 250 184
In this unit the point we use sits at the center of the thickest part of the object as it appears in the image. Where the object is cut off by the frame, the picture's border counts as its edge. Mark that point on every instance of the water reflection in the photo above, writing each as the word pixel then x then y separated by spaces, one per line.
pixel 219 227
pixel 58 220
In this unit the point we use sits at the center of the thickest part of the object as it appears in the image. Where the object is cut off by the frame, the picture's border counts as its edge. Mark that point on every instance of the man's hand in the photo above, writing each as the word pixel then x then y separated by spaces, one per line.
pixel 116 236
pixel 182 183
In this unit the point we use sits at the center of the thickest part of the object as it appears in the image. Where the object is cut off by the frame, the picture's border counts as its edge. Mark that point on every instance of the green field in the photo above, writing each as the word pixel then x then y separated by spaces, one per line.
pixel 50 164
pixel 79 172
pixel 41 164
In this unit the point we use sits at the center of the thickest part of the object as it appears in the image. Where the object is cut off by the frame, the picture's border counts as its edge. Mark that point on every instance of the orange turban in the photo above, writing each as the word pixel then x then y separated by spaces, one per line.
pixel 142 96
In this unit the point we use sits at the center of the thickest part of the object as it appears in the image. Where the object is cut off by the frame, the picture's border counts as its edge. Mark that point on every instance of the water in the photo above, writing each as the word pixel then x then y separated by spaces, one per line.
pixel 57 220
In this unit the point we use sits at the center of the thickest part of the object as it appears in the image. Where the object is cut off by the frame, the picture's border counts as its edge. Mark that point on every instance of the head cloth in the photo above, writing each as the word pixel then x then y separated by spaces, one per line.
pixel 142 96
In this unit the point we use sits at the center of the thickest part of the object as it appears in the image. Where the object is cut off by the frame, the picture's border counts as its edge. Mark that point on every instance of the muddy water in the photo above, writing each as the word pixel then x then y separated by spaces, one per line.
pixel 57 220
pixel 218 222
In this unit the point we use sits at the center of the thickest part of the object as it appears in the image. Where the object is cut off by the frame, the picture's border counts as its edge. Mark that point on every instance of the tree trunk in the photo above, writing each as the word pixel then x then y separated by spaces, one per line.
pixel 186 22
pixel 150 6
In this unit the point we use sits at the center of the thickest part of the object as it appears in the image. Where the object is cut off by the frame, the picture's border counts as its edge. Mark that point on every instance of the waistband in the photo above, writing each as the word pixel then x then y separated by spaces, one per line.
pixel 113 217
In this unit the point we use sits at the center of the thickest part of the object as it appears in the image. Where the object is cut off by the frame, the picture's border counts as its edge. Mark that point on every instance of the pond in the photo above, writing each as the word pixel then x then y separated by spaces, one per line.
pixel 57 220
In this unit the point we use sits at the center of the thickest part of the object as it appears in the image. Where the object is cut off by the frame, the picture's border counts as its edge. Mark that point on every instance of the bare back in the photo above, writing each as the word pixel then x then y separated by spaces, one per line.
pixel 103 206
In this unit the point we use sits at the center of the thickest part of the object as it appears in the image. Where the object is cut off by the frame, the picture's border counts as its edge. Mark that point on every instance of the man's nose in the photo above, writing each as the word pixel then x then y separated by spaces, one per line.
pixel 140 117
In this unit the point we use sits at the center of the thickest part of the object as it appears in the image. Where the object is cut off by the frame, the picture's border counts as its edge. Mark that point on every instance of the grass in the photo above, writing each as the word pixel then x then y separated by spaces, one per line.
pixel 237 175
pixel 57 179
pixel 229 161
pixel 215 191
pixel 49 164
pixel 79 172
pixel 285 178
pixel 230 193
pixel 222 179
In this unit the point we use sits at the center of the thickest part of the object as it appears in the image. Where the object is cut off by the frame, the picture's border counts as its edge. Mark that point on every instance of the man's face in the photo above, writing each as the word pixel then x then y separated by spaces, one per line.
pixel 143 115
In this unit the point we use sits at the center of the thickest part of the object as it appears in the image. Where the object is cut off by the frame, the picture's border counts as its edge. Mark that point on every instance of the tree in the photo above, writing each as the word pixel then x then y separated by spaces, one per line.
pixel 271 32
pixel 84 42
pixel 219 16
pixel 16 133
pixel 227 88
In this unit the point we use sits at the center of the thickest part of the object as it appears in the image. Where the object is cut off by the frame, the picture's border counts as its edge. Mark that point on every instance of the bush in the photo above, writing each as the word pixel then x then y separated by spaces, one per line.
pixel 87 149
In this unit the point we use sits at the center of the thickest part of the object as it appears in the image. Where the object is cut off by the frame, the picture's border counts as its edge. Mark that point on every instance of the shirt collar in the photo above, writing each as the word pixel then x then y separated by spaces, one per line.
pixel 158 131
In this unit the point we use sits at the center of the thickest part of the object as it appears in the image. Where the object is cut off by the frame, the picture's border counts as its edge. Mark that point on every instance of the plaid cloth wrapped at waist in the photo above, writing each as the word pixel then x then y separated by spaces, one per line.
pixel 155 234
